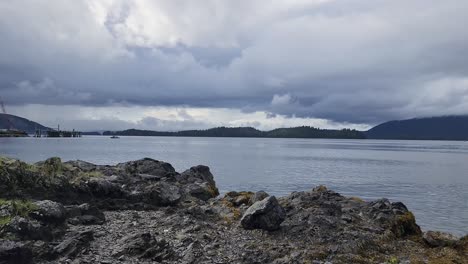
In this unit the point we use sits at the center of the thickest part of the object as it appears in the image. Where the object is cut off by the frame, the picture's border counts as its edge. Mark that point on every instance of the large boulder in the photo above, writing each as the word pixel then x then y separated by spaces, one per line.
pixel 198 182
pixel 148 166
pixel 40 220
pixel 394 216
pixel 49 212
pixel 266 214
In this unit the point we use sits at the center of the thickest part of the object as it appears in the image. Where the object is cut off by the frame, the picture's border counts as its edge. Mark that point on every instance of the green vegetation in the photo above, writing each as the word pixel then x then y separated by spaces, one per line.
pixel 52 167
pixel 20 179
pixel 16 208
pixel 84 176
pixel 405 224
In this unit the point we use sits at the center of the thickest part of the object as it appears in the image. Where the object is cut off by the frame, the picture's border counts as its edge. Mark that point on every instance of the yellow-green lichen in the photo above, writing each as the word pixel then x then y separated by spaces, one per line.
pixel 84 176
pixel 321 188
pixel 235 213
pixel 393 260
pixel 52 167
pixel 405 224
pixel 357 199
pixel 4 220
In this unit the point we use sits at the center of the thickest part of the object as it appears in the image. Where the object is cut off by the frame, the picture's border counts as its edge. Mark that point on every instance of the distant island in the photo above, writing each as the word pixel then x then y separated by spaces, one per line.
pixel 430 128
pixel 293 132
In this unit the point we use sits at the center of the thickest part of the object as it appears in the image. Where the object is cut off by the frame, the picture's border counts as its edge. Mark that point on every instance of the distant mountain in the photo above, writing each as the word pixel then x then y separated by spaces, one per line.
pixel 11 121
pixel 432 128
pixel 294 132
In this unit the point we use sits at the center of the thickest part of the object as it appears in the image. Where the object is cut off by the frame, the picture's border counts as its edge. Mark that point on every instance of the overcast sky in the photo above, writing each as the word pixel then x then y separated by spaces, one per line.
pixel 171 65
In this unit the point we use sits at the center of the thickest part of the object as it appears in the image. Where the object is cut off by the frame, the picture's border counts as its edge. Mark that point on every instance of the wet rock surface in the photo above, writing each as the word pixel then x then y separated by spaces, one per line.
pixel 145 212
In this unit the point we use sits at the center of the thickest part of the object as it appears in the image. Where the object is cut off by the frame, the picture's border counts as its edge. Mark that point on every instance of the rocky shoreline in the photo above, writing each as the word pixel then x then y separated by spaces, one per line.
pixel 145 212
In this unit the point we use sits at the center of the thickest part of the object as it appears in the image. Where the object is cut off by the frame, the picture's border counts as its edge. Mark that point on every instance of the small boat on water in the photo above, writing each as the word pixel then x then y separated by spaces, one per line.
pixel 114 137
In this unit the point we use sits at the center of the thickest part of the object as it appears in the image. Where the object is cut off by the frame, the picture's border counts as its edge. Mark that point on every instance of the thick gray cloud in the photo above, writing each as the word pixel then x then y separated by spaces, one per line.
pixel 359 61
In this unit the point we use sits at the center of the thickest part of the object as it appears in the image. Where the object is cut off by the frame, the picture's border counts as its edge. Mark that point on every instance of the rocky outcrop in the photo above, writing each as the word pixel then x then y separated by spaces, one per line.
pixel 145 212
pixel 143 183
pixel 266 214
pixel 49 211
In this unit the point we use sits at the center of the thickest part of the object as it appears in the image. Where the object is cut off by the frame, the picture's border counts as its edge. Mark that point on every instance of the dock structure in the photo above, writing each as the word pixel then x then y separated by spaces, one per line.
pixel 57 133
pixel 66 134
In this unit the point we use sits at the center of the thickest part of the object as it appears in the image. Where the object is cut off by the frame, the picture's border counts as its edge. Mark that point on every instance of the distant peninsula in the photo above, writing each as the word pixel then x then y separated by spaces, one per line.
pixel 8 121
pixel 429 128
pixel 294 132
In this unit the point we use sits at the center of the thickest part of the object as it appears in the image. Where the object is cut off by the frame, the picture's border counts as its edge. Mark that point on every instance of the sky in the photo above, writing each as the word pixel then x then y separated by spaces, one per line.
pixel 183 64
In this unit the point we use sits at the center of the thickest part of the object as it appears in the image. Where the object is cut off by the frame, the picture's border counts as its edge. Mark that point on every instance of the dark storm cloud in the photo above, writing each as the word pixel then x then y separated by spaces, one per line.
pixel 355 61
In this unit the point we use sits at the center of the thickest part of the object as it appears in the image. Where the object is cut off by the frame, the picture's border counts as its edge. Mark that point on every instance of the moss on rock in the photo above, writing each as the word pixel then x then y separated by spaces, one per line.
pixel 12 208
pixel 405 225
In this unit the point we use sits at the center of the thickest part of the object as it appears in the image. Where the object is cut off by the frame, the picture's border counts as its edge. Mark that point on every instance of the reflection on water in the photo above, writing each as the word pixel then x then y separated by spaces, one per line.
pixel 430 177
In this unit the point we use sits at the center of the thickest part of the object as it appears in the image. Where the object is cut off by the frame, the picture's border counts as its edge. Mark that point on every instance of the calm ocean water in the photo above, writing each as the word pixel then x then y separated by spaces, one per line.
pixel 430 177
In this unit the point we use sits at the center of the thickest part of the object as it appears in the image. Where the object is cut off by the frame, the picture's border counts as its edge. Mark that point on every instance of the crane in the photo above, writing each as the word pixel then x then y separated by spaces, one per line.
pixel 2 107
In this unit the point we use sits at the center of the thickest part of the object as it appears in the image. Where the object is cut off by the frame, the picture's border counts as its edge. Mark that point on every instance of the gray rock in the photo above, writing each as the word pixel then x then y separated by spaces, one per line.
pixel 104 188
pixel 29 229
pixel 198 182
pixel 162 193
pixel 14 252
pixel 440 239
pixel 49 212
pixel 258 196
pixel 83 165
pixel 320 226
pixel 144 245
pixel 198 173
pixel 85 214
pixel 74 244
pixel 202 191
pixel 148 166
pixel 266 214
